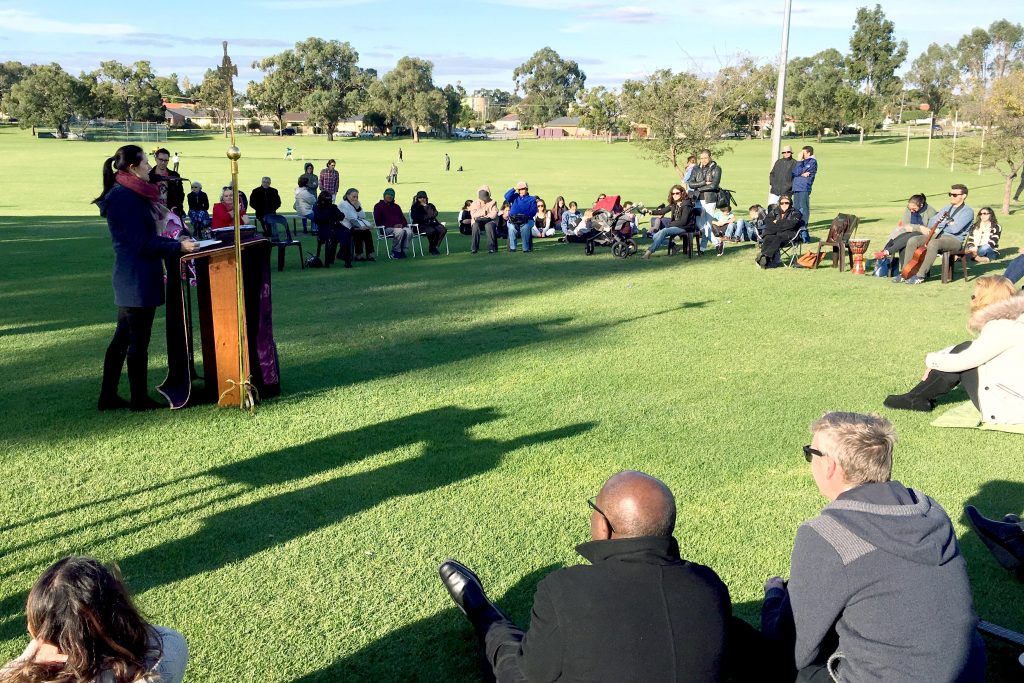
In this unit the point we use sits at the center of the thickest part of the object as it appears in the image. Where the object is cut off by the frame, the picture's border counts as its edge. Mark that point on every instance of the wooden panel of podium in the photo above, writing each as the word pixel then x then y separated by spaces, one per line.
pixel 214 284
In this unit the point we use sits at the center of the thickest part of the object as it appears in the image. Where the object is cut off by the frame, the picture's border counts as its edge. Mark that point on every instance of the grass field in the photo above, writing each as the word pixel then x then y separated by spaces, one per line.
pixel 460 406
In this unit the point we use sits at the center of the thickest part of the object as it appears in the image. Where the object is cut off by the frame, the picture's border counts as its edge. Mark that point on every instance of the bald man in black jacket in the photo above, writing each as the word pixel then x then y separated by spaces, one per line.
pixel 638 612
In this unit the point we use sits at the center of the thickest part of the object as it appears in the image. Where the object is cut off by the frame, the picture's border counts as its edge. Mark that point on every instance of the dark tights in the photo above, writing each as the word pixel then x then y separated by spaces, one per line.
pixel 131 341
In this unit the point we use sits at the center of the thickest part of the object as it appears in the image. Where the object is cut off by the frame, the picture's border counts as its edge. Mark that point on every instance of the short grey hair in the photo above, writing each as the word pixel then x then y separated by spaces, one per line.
pixel 862 444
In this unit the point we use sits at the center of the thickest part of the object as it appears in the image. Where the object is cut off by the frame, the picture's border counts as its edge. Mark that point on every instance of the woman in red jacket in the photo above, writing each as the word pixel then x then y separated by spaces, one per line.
pixel 223 211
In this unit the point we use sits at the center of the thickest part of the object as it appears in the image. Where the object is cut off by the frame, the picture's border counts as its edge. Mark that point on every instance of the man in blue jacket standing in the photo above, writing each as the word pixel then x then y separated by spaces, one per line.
pixel 522 209
pixel 803 178
pixel 951 224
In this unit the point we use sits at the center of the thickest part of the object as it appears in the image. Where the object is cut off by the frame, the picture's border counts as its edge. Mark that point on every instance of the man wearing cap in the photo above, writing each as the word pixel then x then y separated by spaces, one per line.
pixel 424 217
pixel 522 209
pixel 264 199
pixel 780 179
pixel 878 589
pixel 389 215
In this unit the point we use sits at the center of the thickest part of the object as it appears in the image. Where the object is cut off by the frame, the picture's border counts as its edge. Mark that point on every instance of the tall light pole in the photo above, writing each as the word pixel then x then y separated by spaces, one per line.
pixel 780 87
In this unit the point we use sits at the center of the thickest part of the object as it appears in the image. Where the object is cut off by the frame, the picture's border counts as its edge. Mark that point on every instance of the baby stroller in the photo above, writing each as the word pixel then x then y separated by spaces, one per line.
pixel 612 228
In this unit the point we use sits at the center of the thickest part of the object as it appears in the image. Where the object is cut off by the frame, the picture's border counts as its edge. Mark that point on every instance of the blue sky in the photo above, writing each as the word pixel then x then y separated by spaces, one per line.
pixel 477 43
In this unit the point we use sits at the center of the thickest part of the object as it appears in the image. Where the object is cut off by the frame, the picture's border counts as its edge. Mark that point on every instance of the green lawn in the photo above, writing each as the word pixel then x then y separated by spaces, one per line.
pixel 460 406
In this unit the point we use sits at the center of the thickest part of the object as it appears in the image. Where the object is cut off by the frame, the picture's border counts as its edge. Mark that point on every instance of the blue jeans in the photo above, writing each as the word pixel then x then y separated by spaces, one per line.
pixel 524 231
pixel 1015 271
pixel 308 217
pixel 742 230
pixel 802 203
pixel 662 236
pixel 987 251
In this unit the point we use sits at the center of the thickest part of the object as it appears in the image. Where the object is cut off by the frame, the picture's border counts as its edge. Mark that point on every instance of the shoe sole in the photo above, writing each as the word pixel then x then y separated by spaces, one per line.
pixel 1002 555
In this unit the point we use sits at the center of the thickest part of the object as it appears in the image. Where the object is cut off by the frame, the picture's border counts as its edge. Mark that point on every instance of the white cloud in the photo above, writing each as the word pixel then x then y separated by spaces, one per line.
pixel 26 22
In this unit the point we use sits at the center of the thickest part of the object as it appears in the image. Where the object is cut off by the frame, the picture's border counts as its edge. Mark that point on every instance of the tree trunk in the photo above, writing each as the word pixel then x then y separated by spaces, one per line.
pixel 861 136
pixel 1007 193
pixel 415 131
pixel 819 136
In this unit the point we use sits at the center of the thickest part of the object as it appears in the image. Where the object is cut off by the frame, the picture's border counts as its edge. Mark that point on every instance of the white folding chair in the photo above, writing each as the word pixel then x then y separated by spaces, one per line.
pixel 420 235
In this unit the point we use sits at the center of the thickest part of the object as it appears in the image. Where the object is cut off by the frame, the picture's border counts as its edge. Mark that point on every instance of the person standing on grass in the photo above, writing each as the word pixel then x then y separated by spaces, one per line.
pixel 803 173
pixel 878 589
pixel 447 162
pixel 780 180
pixel 129 203
pixel 330 179
pixel 637 612
pixel 85 627
pixel 312 179
pixel 705 180
pixel 176 159
pixel 401 157
pixel 691 163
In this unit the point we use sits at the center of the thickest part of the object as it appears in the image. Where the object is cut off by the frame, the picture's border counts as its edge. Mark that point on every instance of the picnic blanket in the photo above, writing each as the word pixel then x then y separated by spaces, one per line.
pixel 966 416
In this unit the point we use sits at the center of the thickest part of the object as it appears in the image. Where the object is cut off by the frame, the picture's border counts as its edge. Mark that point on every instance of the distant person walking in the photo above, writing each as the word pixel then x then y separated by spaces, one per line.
pixel 780 180
pixel 401 158
pixel 392 178
pixel 447 162
pixel 176 159
pixel 803 178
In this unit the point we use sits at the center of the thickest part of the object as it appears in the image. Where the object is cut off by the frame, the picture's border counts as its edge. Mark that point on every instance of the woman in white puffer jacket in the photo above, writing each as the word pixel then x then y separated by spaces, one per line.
pixel 990 368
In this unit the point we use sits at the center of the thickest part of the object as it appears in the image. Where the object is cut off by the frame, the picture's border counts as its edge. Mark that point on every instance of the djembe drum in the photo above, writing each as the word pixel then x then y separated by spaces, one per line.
pixel 859 248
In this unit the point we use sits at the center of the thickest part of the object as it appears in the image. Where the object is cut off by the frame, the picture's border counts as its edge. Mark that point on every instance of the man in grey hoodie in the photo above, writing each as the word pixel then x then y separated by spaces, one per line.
pixel 878 590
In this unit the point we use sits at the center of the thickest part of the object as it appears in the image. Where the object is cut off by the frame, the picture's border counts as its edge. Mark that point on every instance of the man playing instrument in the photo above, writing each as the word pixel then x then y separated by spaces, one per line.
pixel 951 224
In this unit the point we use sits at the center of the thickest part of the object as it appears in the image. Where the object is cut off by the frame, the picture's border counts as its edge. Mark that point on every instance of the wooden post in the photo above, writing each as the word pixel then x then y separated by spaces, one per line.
pixel 952 157
pixel 931 124
pixel 981 154
pixel 906 157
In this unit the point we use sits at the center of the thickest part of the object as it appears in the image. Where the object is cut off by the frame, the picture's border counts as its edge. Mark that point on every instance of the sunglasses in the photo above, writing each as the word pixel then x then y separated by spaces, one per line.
pixel 593 506
pixel 984 213
pixel 809 453
pixel 956 194
pixel 784 203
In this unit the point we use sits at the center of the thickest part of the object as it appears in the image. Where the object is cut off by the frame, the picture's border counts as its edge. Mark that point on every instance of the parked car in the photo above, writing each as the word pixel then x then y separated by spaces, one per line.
pixel 345 134
pixel 366 134
pixel 478 135
pixel 286 131
pixel 460 134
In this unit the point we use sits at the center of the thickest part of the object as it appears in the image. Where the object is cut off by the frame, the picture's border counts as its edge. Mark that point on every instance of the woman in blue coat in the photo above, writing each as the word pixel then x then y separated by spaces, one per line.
pixel 130 203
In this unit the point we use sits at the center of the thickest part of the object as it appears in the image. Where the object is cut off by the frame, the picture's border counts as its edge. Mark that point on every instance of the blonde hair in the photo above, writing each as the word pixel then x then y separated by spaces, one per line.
pixel 990 289
pixel 862 444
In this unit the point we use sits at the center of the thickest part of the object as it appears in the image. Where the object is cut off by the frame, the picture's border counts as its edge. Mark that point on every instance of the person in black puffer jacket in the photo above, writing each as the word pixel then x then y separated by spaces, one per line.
pixel 331 230
pixel 781 226
pixel 684 218
pixel 704 183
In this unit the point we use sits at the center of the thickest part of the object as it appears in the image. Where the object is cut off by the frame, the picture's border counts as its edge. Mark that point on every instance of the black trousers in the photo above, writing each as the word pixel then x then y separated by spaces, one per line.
pixel 582 238
pixel 489 227
pixel 362 243
pixel 773 242
pixel 435 233
pixel 898 245
pixel 131 341
pixel 337 243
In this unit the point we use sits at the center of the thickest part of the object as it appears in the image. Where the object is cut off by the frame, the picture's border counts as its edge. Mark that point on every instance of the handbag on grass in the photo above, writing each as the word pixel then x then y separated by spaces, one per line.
pixel 808 260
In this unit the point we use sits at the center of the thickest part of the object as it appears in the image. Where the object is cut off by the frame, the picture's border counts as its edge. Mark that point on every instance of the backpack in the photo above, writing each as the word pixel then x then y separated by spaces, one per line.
pixel 725 199
pixel 313 261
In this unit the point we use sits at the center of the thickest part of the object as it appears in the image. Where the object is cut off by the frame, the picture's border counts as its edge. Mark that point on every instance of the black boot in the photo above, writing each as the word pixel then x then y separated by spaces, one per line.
pixel 137 381
pixel 922 397
pixel 1005 540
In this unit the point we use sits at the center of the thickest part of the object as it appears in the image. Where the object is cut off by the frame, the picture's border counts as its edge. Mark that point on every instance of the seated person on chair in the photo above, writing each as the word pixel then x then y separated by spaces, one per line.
pixel 198 207
pixel 781 226
pixel 356 221
pixel 990 368
pixel 637 612
pixel 680 214
pixel 224 210
pixel 304 201
pixel 483 212
pixel 543 221
pixel 522 209
pixel 878 589
pixel 388 216
pixel 332 231
pixel 982 244
pixel 951 224
pixel 465 220
pixel 424 215
pixel 915 221
pixel 264 199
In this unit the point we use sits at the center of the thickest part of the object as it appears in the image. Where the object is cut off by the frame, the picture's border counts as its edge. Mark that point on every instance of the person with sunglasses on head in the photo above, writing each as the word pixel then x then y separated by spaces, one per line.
pixel 637 612
pixel 982 242
pixel 878 589
pixel 780 227
pixel 951 224
pixel 780 180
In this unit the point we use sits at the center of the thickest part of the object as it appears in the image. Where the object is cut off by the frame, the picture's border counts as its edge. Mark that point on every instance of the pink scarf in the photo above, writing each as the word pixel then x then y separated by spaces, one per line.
pixel 138 185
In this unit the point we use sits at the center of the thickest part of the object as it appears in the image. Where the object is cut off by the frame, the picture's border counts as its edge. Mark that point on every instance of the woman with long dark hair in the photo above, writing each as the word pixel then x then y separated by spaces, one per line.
pixel 332 231
pixel 982 242
pixel 85 629
pixel 130 203
pixel 681 218
pixel 781 226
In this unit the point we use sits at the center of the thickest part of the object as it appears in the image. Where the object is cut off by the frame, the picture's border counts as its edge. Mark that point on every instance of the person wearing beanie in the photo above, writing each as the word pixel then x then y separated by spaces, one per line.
pixel 424 217
pixel 389 216
pixel 484 213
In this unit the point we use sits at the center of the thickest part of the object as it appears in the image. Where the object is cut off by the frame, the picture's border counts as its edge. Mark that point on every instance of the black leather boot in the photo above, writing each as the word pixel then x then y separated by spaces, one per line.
pixel 922 397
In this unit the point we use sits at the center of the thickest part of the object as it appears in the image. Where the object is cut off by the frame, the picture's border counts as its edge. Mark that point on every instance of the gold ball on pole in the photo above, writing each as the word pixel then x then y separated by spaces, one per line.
pixel 234 153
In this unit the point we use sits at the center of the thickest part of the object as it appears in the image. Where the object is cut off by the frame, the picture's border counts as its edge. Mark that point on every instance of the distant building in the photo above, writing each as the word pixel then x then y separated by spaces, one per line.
pixel 478 103
pixel 507 122
pixel 563 126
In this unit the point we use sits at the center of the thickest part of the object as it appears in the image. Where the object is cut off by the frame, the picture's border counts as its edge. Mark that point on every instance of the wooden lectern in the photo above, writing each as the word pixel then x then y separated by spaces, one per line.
pixel 218 327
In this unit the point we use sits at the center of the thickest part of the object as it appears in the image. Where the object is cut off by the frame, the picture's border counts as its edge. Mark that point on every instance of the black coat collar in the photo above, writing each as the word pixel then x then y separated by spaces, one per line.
pixel 647 549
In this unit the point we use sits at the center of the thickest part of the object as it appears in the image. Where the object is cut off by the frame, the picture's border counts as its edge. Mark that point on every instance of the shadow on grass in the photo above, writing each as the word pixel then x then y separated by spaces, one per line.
pixel 449 454
pixel 439 648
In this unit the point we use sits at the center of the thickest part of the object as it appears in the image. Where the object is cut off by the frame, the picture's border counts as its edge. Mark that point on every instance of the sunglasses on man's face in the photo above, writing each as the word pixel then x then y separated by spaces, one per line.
pixel 810 452
pixel 956 194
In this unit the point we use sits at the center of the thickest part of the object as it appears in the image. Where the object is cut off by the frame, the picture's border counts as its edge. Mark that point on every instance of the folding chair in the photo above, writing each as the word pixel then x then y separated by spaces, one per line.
pixel 383 236
pixel 420 235
pixel 785 250
pixel 273 224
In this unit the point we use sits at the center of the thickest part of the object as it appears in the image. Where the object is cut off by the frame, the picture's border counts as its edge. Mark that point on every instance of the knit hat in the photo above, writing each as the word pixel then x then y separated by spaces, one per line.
pixel 389 191
pixel 421 195
pixel 521 185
